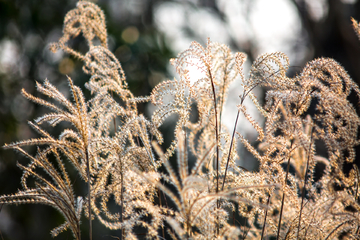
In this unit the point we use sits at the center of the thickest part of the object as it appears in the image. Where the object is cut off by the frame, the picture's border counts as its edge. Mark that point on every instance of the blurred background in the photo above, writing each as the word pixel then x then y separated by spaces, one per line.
pixel 144 35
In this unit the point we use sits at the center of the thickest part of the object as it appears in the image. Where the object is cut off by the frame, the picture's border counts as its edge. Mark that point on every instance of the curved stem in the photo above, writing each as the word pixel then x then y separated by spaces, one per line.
pixel 216 132
pixel 217 144
pixel 231 144
pixel 283 198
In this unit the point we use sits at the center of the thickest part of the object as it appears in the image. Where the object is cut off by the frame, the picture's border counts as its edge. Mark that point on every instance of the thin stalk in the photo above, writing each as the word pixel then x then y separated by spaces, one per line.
pixel 89 192
pixel 263 228
pixel 231 144
pixel 305 181
pixel 283 198
pixel 234 131
pixel 242 99
pixel 216 133
pixel 217 146
pixel 122 201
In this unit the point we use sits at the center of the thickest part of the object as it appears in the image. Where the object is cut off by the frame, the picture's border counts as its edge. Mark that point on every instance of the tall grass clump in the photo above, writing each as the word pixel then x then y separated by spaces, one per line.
pixel 119 153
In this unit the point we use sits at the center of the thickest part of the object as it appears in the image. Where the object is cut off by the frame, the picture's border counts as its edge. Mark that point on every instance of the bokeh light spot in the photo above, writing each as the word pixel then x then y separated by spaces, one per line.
pixel 66 66
pixel 130 35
